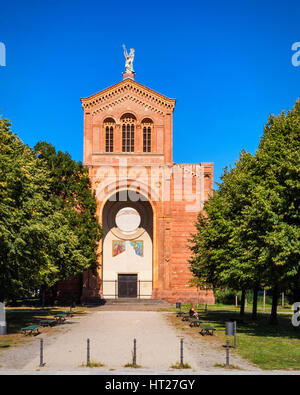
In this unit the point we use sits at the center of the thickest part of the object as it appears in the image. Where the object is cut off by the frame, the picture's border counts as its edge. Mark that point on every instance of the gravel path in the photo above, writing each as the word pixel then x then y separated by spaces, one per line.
pixel 111 335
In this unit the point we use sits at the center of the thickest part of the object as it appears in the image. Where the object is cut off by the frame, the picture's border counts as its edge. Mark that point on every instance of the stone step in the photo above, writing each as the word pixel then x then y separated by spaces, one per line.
pixel 94 301
pixel 134 301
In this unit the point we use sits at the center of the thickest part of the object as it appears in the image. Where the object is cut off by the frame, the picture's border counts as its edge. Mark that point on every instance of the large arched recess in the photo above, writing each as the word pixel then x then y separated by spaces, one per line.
pixel 126 262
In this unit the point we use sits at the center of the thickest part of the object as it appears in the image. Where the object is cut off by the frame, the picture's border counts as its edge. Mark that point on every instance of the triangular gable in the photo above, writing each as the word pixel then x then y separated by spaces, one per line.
pixel 127 87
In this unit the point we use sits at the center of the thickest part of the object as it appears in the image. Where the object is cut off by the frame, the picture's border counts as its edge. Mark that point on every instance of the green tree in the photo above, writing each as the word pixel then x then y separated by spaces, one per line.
pixel 23 209
pixel 220 248
pixel 45 236
pixel 71 194
pixel 250 234
pixel 278 201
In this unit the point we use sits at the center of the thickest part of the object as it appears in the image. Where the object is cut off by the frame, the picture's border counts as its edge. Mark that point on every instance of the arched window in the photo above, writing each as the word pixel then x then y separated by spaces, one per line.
pixel 147 126
pixel 128 122
pixel 109 126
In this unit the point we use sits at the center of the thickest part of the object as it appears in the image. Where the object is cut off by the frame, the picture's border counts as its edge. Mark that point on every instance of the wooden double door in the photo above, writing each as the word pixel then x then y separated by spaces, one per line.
pixel 127 285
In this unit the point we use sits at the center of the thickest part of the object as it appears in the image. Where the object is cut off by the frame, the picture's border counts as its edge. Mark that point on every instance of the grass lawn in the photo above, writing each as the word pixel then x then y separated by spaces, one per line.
pixel 20 317
pixel 267 346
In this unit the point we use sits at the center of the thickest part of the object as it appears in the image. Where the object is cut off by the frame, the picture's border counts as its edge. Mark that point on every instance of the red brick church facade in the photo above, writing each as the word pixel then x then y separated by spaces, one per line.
pixel 128 139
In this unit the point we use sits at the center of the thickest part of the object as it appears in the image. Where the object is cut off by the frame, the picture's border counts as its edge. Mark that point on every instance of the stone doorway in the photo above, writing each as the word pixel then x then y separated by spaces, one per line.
pixel 127 285
pixel 127 247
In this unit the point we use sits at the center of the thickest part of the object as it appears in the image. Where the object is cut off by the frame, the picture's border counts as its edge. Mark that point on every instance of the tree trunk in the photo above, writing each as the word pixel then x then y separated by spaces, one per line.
pixel 43 295
pixel 296 289
pixel 254 306
pixel 81 288
pixel 53 294
pixel 243 297
pixel 273 317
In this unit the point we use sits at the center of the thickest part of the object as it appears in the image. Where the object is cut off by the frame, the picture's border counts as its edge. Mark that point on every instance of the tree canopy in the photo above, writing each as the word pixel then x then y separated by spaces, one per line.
pixel 249 235
pixel 48 227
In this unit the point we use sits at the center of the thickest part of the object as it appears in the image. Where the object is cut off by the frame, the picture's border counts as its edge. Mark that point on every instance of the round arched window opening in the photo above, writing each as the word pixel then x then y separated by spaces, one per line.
pixel 109 126
pixel 147 125
pixel 128 122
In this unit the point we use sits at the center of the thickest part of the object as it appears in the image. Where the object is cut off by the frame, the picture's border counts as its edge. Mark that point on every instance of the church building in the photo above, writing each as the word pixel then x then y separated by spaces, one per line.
pixel 147 204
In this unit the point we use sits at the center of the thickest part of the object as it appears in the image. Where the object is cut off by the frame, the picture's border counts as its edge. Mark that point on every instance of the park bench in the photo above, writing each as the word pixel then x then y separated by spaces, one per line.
pixel 194 322
pixel 185 317
pixel 60 318
pixel 31 330
pixel 202 309
pixel 206 330
pixel 48 322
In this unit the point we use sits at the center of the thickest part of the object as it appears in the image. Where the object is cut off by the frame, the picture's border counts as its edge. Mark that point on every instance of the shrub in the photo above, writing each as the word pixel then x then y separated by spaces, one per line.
pixel 225 296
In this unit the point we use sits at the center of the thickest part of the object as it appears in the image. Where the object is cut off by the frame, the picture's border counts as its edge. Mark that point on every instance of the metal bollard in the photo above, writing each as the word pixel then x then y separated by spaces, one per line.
pixel 88 353
pixel 134 352
pixel 227 352
pixel 42 353
pixel 181 352
pixel 3 329
pixel 234 334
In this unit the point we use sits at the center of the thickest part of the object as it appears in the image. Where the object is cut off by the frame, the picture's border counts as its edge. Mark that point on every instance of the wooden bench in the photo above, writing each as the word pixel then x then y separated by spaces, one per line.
pixel 31 330
pixel 185 317
pixel 60 318
pixel 194 322
pixel 207 330
pixel 48 322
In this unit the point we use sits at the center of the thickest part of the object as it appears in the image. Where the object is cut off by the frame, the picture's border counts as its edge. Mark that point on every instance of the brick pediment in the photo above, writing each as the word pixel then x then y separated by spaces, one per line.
pixel 128 90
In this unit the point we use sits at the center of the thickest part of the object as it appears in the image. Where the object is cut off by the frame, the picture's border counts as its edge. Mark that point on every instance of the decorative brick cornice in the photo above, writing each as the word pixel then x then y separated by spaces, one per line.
pixel 106 106
pixel 133 91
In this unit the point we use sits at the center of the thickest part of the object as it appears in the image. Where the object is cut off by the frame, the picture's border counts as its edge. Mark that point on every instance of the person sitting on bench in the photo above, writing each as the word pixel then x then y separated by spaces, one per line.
pixel 193 313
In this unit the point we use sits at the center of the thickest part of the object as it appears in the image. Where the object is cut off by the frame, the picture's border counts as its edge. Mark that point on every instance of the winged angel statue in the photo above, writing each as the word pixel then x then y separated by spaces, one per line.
pixel 128 60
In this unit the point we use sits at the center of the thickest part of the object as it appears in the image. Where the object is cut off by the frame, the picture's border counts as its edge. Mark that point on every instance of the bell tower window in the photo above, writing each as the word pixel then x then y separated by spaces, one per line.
pixel 109 127
pixel 147 126
pixel 128 122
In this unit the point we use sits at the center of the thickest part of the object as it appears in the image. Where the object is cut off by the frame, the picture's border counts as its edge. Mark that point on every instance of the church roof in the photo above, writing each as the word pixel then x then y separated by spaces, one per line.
pixel 126 86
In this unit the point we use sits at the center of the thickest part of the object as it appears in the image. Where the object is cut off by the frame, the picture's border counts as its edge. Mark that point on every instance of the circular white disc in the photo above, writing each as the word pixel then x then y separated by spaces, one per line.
pixel 128 220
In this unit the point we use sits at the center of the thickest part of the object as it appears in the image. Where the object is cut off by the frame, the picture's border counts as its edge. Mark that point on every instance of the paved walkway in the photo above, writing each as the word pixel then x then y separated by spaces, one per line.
pixel 111 335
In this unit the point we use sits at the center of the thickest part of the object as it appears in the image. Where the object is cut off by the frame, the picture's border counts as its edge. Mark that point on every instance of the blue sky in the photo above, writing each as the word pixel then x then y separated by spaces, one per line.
pixel 228 64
